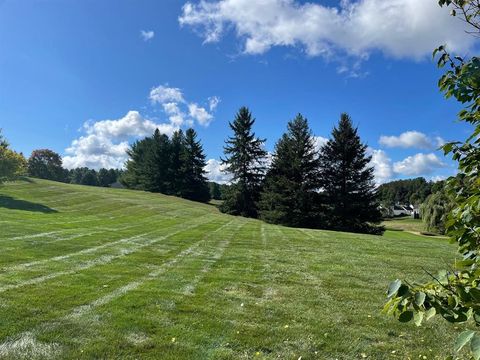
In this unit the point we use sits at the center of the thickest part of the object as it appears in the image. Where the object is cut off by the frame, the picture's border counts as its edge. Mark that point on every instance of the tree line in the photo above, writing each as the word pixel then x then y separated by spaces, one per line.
pixel 331 187
pixel 407 191
pixel 47 164
pixel 298 185
pixel 172 166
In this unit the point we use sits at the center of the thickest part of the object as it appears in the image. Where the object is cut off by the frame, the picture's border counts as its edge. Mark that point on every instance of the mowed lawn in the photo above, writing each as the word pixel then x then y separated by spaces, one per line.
pixel 102 273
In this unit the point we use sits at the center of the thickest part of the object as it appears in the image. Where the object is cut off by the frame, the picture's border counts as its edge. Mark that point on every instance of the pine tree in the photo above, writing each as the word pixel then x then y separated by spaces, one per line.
pixel 148 167
pixel 347 182
pixel 292 182
pixel 157 166
pixel 245 162
pixel 194 185
pixel 176 150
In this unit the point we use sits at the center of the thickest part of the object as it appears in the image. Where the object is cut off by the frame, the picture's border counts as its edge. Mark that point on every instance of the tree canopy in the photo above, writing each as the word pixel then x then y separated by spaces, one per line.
pixel 46 164
pixel 12 163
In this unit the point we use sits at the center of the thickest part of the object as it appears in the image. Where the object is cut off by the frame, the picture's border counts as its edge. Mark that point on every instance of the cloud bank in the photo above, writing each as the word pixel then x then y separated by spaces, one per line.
pixel 397 28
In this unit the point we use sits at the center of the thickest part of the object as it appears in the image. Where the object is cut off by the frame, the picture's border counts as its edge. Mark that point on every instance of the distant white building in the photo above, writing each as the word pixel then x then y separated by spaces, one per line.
pixel 402 210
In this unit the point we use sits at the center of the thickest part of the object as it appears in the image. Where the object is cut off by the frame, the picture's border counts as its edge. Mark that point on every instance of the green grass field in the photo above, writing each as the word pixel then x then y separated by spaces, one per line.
pixel 102 273
pixel 415 226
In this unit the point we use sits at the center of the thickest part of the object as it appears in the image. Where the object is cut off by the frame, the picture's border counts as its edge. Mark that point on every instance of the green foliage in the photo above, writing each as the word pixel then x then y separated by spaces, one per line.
pixel 107 177
pixel 12 164
pixel 455 294
pixel 46 164
pixel 292 181
pixel 169 166
pixel 194 184
pixel 3 141
pixel 244 160
pixel 435 211
pixel 347 182
pixel 408 191
pixel 85 176
pixel 215 190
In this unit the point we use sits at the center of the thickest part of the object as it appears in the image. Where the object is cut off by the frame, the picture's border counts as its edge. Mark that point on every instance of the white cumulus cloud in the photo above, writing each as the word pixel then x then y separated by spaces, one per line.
pixel 105 142
pixel 319 142
pixel 214 169
pixel 179 110
pixel 398 28
pixel 408 139
pixel 419 164
pixel 147 35
pixel 382 165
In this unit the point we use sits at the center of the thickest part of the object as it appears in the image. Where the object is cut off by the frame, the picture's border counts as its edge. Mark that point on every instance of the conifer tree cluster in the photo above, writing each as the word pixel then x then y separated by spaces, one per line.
pixel 172 166
pixel 331 187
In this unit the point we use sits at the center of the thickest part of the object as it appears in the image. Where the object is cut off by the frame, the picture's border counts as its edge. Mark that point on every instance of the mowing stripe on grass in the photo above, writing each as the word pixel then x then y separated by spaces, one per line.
pixel 103 260
pixel 37 235
pixel 83 309
pixel 220 250
pixel 25 344
pixel 185 227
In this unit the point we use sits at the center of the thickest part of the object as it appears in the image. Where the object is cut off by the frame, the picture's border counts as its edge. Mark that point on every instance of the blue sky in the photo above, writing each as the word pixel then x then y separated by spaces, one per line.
pixel 68 66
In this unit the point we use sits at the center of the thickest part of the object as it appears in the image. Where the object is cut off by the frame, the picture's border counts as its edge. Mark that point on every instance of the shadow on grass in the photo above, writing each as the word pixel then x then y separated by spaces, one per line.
pixel 9 202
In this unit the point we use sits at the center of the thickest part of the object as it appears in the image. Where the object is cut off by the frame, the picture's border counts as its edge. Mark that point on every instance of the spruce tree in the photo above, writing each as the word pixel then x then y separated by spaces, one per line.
pixel 347 182
pixel 148 167
pixel 292 182
pixel 158 165
pixel 177 148
pixel 194 183
pixel 244 160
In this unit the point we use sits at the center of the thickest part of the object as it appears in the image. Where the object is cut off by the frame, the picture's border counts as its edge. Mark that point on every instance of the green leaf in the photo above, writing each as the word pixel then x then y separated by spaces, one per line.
pixel 475 346
pixel 405 316
pixel 430 313
pixel 393 288
pixel 418 318
pixel 463 339
pixel 419 298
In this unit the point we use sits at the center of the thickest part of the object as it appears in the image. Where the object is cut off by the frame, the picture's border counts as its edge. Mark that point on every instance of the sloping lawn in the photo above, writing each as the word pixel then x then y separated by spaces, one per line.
pixel 102 273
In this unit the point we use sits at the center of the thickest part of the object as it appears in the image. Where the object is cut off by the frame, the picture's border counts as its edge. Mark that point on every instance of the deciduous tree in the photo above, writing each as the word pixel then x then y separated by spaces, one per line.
pixel 46 164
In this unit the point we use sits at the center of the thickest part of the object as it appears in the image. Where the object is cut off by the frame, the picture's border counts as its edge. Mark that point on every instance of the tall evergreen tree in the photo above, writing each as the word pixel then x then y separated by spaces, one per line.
pixel 176 150
pixel 347 182
pixel 157 165
pixel 244 160
pixel 292 182
pixel 194 185
pixel 135 175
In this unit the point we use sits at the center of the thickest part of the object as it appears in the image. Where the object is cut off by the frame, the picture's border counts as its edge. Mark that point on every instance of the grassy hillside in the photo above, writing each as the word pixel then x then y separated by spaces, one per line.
pixel 102 273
